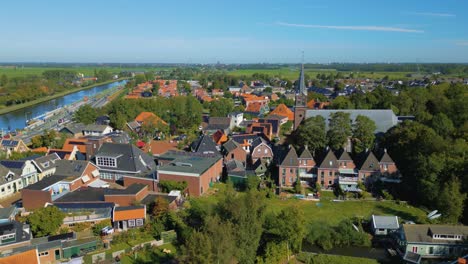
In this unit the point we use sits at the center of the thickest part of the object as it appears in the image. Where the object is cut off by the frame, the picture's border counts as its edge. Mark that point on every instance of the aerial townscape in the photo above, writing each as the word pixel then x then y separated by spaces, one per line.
pixel 316 140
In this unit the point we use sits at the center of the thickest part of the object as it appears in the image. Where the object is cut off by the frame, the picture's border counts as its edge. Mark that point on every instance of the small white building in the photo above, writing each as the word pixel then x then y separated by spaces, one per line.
pixel 384 225
pixel 237 117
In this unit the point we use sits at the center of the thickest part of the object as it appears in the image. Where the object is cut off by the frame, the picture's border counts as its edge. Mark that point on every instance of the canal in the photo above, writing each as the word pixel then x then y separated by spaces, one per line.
pixel 17 119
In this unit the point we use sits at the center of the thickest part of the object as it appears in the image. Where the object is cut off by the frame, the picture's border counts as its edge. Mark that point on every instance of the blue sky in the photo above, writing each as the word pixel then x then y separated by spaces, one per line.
pixel 234 31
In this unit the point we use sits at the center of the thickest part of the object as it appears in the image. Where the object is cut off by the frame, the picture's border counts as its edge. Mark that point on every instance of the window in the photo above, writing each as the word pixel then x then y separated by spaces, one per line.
pixel 106 161
pixel 415 250
pixel 385 166
pixel 431 250
pixel 45 253
pixel 329 173
pixel 107 176
pixel 232 155
pixel 3 189
pixel 201 189
pixel 329 182
pixel 139 222
pixel 322 173
pixel 266 151
pixel 131 223
pixel 284 172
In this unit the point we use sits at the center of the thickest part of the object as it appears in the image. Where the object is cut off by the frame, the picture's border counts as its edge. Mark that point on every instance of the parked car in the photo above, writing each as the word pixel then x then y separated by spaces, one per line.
pixel 107 230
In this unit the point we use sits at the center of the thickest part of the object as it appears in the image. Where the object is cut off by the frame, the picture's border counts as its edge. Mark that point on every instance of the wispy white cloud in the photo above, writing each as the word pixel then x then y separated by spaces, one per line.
pixel 361 28
pixel 431 14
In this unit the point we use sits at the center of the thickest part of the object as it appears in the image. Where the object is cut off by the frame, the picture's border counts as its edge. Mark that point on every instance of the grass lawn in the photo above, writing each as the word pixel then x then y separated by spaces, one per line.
pixel 151 256
pixel 320 258
pixel 332 212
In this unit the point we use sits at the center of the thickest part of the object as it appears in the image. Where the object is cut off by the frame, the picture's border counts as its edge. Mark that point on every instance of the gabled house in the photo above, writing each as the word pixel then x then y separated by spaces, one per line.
pixel 68 177
pixel 348 178
pixel 434 241
pixel 384 225
pixel 328 170
pixel 219 137
pixel 237 117
pixel 22 168
pixel 145 118
pixel 294 167
pixel 367 165
pixel 232 150
pixel 261 128
pixel 260 149
pixel 9 146
pixel 127 163
pixel 159 147
pixel 204 145
pixel 45 165
pixel 283 110
pixel 10 182
pixel 387 165
pixel 96 130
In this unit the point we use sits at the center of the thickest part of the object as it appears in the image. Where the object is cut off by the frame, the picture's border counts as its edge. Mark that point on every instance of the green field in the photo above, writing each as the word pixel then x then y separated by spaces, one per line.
pixel 87 71
pixel 292 73
pixel 320 258
pixel 334 212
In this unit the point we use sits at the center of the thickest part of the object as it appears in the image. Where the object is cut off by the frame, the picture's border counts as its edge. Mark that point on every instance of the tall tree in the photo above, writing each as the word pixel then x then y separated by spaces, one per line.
pixel 198 248
pixel 85 114
pixel 311 133
pixel 451 200
pixel 339 129
pixel 45 221
pixel 363 133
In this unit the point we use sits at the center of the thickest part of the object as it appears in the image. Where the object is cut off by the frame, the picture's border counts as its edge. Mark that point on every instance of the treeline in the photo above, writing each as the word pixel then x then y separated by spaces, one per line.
pixel 180 112
pixel 18 90
pixel 431 151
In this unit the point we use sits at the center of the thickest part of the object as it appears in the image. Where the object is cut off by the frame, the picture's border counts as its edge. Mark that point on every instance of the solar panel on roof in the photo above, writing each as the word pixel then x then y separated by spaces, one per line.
pixel 12 164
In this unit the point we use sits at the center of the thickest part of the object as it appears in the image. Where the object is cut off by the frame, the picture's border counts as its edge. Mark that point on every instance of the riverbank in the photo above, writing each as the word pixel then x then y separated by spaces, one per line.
pixel 13 108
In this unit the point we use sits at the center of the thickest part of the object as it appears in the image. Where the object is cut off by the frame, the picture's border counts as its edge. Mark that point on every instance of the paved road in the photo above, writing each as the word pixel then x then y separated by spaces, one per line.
pixel 60 117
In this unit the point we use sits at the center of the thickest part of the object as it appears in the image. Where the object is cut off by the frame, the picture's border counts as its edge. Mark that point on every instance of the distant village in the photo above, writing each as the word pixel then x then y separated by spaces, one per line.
pixel 102 174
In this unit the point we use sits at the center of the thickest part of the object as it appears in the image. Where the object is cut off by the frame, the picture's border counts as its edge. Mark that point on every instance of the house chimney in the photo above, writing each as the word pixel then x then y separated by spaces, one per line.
pixel 367 150
pixel 385 150
pixel 306 147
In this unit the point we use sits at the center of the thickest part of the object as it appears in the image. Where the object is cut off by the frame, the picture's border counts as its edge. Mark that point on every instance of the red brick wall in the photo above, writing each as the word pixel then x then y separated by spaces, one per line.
pixel 391 168
pixel 290 175
pixel 33 199
pixel 195 184
pixel 349 164
pixel 192 181
pixel 328 179
pixel 49 258
pixel 259 153
pixel 152 185
pixel 239 154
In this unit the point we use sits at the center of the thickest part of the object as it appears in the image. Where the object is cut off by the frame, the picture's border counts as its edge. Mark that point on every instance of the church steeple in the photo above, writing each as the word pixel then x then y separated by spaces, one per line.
pixel 300 108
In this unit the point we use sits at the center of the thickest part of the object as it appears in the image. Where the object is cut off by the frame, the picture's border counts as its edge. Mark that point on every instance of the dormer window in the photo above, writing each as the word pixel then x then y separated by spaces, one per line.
pixel 9 177
pixel 45 164
pixel 106 161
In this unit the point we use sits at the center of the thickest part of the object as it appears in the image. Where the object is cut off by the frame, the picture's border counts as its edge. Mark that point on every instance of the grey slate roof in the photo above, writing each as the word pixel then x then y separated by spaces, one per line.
pixel 384 119
pixel 229 146
pixel 385 222
pixel 421 233
pixel 129 158
pixel 15 166
pixel 46 182
pixel 4 172
pixel 204 144
pixel 367 161
pixel 7 212
pixel 344 155
pixel 234 165
pixel 330 161
pixel 291 158
pixel 46 162
pixel 386 158
pixel 74 128
pixel 70 168
pixel 306 154
pixel 258 141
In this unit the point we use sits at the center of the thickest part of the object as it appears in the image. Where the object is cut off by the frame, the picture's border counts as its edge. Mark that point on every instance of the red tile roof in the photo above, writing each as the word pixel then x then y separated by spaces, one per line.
pixel 149 117
pixel 283 110
pixel 29 257
pixel 131 213
pixel 157 147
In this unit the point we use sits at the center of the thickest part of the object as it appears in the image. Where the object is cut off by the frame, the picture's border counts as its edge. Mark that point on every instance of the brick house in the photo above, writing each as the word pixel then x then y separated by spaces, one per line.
pixel 260 149
pixel 328 170
pixel 9 146
pixel 127 164
pixel 231 150
pixel 294 167
pixel 387 165
pixel 367 165
pixel 198 170
pixel 68 177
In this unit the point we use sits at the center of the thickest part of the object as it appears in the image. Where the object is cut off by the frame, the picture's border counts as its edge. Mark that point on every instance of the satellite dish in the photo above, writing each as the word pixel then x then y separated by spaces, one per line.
pixel 432 214
pixel 435 216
